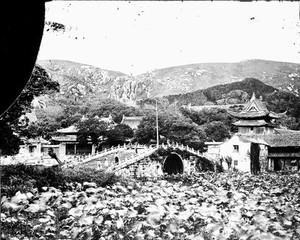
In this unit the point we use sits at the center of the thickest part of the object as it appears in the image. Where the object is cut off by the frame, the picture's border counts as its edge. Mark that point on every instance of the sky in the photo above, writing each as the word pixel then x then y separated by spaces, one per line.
pixel 136 37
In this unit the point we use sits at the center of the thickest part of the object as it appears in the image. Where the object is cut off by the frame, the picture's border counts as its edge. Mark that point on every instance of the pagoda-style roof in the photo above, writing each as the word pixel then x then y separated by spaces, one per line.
pixel 132 122
pixel 69 130
pixel 255 108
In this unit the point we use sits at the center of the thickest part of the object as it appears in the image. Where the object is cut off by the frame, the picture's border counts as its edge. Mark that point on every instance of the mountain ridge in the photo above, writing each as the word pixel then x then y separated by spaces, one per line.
pixel 78 80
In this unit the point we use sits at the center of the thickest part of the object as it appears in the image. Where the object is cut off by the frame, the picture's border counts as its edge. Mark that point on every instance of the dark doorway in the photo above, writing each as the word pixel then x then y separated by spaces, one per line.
pixel 254 158
pixel 277 165
pixel 173 164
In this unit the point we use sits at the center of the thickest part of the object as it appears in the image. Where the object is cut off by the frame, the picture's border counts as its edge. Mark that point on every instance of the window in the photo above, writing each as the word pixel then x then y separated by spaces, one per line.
pixel 236 148
pixel 70 149
pixel 32 149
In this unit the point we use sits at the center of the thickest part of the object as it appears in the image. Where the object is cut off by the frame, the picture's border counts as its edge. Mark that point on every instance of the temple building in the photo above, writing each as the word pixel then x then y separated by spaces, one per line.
pixel 68 144
pixel 259 145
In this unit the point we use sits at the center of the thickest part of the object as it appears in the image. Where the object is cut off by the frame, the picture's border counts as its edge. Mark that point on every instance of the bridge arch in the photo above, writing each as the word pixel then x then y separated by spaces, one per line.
pixel 173 164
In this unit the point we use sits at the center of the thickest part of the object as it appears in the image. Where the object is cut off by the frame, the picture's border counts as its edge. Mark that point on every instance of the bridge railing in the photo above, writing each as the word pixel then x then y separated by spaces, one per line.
pixel 131 160
pixel 137 158
pixel 105 152
pixel 76 160
pixel 182 147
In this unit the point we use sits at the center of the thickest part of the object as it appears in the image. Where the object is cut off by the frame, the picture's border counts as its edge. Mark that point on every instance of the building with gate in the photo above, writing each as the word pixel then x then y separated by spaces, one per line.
pixel 68 143
pixel 259 145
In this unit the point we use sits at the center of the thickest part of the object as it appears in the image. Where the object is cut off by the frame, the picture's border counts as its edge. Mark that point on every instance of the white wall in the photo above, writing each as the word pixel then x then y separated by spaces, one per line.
pixel 241 157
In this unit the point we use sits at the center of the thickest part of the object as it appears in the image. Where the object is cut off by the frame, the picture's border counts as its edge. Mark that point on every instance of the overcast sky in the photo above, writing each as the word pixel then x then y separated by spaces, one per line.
pixel 135 37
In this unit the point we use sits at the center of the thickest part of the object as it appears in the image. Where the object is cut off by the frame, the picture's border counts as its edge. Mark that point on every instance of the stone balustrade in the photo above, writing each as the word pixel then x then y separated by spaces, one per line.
pixel 77 160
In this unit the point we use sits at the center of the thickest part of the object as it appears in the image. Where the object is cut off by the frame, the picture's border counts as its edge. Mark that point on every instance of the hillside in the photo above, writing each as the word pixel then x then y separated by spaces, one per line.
pixel 188 78
pixel 231 93
pixel 181 84
pixel 81 80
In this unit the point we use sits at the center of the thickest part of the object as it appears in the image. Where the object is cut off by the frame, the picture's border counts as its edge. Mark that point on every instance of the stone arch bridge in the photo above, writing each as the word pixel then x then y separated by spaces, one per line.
pixel 138 160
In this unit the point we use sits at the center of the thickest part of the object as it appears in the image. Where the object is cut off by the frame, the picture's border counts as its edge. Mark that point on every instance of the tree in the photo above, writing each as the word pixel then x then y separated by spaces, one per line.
pixel 209 115
pixel 104 107
pixel 172 127
pixel 9 141
pixel 146 130
pixel 40 83
pixel 182 131
pixel 91 129
pixel 119 134
pixel 44 128
pixel 216 131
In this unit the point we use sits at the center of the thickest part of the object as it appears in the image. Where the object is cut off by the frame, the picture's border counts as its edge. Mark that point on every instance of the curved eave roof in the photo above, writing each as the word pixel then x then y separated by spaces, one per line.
pixel 276 115
pixel 71 129
pixel 251 123
pixel 249 114
pixel 260 114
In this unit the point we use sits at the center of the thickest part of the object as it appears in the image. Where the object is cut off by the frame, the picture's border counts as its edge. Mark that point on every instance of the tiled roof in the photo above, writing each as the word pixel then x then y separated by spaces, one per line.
pixel 71 129
pixel 255 108
pixel 253 139
pixel 65 138
pixel 280 138
pixel 37 140
pixel 132 122
pixel 255 105
pixel 249 115
pixel 245 123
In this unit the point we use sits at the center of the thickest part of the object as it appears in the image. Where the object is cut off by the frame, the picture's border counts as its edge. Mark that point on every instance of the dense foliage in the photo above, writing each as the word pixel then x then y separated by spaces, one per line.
pixel 202 206
pixel 217 123
pixel 91 129
pixel 120 134
pixel 240 92
pixel 28 178
pixel 40 83
pixel 232 93
pixel 44 127
pixel 171 127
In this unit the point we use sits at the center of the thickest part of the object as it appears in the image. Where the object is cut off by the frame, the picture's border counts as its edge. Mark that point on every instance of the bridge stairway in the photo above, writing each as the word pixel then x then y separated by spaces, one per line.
pixel 107 154
pixel 109 159
pixel 133 159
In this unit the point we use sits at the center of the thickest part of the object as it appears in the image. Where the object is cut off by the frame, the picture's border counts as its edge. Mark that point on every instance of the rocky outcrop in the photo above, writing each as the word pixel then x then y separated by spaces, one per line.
pixel 78 80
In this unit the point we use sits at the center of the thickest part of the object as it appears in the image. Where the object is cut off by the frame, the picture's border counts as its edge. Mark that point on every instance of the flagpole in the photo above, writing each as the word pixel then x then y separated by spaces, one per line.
pixel 157 136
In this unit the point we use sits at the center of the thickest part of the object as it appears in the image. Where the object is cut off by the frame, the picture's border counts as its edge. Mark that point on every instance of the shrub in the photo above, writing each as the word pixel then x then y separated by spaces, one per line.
pixel 81 174
pixel 26 178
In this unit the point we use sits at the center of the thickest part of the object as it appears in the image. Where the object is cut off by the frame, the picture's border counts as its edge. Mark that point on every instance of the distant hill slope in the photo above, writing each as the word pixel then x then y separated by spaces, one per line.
pixel 239 93
pixel 231 93
pixel 188 78
pixel 80 80
pixel 180 84
pixel 83 79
